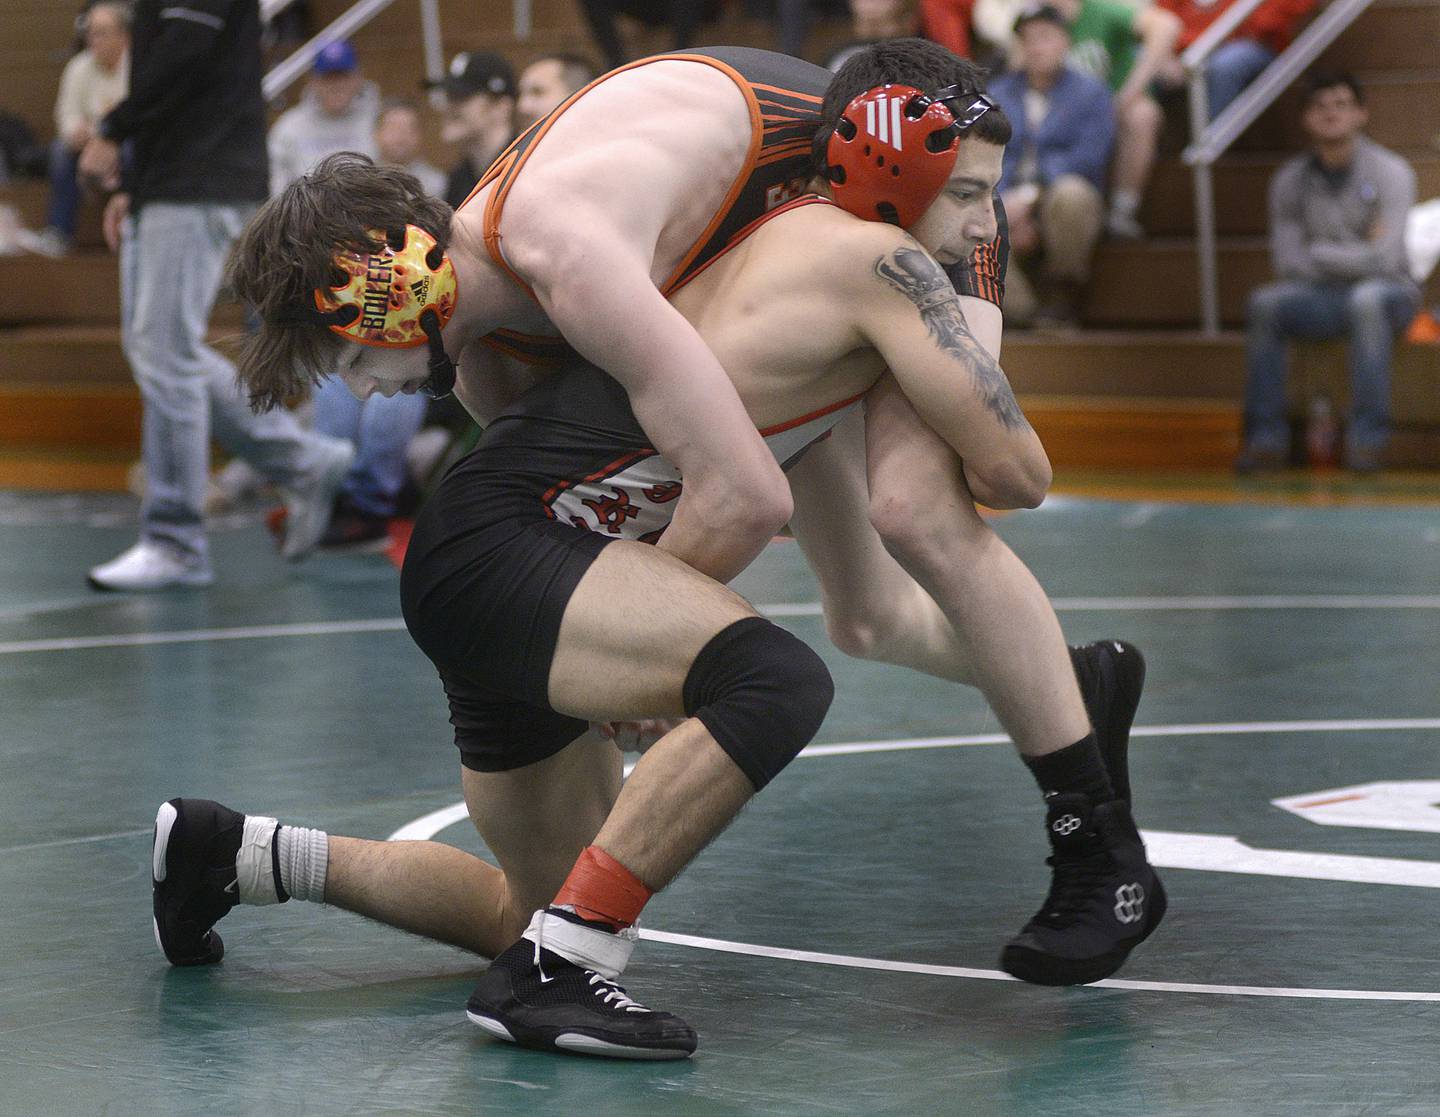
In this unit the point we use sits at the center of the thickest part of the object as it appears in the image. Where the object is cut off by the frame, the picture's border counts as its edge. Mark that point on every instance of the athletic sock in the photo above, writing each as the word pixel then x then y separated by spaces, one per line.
pixel 602 891
pixel 1075 769
pixel 1126 203
pixel 301 860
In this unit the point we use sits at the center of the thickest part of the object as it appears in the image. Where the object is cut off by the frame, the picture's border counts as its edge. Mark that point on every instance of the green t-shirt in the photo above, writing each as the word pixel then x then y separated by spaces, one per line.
pixel 1103 37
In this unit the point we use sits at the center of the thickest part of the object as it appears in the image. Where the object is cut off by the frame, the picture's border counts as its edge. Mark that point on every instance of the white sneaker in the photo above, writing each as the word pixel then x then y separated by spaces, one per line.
pixel 308 505
pixel 1123 226
pixel 150 565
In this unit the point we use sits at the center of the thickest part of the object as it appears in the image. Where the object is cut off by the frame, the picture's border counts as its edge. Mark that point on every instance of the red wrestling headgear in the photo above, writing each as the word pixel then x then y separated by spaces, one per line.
pixel 894 146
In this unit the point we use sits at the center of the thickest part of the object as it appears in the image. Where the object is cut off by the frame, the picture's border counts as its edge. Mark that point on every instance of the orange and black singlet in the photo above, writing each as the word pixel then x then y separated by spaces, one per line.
pixel 784 96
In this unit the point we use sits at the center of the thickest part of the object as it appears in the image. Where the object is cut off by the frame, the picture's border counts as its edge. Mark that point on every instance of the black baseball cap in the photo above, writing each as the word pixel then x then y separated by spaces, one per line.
pixel 478 71
pixel 1046 13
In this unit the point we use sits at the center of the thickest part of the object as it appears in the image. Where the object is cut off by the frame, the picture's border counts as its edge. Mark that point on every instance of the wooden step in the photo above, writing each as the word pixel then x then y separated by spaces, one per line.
pixel 82 288
pixel 64 470
pixel 1321 370
pixel 63 355
pixel 1391 36
pixel 1404 113
pixel 70 416
pixel 1155 282
pixel 1106 364
pixel 1083 432
pixel 31 199
pixel 1242 183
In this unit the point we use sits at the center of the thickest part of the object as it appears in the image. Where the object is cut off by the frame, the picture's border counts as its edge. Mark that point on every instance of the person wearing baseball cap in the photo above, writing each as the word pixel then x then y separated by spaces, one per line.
pixel 1054 172
pixel 336 113
pixel 479 116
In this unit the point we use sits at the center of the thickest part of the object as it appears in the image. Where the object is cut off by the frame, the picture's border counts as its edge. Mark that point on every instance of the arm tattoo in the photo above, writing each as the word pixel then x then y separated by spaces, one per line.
pixel 916 276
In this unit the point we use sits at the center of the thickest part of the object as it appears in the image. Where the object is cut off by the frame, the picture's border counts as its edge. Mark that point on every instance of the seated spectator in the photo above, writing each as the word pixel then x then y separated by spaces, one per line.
pixel 949 23
pixel 381 430
pixel 546 82
pixel 1104 35
pixel 479 117
pixel 336 113
pixel 1054 171
pixel 399 132
pixel 793 19
pixel 876 20
pixel 93 83
pixel 993 29
pixel 683 17
pixel 1237 61
pixel 946 22
pixel 1337 227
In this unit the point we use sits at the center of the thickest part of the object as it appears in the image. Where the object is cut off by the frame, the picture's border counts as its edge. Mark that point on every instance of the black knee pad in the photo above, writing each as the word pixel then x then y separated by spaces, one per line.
pixel 761 693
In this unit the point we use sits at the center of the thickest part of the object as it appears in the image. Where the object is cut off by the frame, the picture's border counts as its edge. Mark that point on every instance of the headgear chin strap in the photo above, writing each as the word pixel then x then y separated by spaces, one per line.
pixel 894 146
pixel 398 297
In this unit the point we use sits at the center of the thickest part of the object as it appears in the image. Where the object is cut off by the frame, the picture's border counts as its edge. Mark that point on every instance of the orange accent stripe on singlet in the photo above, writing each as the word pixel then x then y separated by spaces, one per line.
pixel 789 93
pixel 781 152
pixel 500 341
pixel 803 200
pixel 514 161
pixel 623 462
pixel 757 140
pixel 800 422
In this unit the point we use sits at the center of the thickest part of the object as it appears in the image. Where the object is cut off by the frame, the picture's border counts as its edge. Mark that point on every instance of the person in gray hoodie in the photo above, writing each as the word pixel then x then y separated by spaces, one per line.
pixel 336 113
pixel 1337 229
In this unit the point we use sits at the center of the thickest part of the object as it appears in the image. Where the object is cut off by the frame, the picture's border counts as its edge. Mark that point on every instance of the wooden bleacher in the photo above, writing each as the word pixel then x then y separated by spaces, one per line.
pixel 1138 388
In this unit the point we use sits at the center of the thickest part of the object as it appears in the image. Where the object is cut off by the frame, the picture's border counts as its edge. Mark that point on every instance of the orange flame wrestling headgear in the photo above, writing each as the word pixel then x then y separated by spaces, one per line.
pixel 398 297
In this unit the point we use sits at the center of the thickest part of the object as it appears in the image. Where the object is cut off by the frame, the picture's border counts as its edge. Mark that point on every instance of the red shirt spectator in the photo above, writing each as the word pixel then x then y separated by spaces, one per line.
pixel 947 22
pixel 1274 23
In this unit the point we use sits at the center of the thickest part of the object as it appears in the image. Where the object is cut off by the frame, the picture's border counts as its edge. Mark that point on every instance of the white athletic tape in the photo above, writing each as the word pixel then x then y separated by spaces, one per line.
pixel 605 953
pixel 254 864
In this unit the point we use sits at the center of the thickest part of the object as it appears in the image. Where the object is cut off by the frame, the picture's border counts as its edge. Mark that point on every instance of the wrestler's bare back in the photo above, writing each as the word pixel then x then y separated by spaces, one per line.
pixel 650 152
pixel 778 311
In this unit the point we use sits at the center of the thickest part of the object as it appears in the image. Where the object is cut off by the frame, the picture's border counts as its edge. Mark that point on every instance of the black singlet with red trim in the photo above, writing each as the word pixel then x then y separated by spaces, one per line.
pixel 787 93
pixel 790 92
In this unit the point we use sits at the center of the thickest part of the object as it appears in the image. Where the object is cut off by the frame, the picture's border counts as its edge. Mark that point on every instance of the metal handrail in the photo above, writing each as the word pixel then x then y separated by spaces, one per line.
pixel 286 72
pixel 1194 56
pixel 1212 138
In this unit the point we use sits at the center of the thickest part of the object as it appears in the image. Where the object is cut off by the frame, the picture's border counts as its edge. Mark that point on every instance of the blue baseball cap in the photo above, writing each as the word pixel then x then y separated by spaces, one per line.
pixel 336 58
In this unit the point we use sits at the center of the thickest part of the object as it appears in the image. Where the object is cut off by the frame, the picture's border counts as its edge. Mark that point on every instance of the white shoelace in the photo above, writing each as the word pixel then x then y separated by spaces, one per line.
pixel 608 991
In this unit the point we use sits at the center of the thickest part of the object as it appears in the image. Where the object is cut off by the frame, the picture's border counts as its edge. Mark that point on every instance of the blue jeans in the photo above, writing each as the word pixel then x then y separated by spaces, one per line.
pixel 1370 313
pixel 381 430
pixel 1232 67
pixel 170 264
pixel 64 189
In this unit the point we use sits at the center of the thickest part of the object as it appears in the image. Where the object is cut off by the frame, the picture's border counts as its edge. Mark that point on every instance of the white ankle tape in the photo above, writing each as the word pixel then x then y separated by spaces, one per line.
pixel 588 947
pixel 254 864
pixel 303 856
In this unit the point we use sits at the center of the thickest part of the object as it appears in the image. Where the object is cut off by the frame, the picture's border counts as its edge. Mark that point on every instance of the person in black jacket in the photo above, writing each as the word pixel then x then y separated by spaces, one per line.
pixel 479 117
pixel 194 123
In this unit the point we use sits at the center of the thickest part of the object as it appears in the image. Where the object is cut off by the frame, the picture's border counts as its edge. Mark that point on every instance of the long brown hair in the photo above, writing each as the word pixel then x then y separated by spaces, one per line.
pixel 287 252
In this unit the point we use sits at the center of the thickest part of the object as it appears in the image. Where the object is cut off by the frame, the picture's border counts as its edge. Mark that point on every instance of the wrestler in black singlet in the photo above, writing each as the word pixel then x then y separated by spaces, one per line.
pixel 499 548
pixel 785 96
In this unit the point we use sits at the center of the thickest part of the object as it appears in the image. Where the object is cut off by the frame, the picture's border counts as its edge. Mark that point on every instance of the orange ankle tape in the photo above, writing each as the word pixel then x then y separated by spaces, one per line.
pixel 599 887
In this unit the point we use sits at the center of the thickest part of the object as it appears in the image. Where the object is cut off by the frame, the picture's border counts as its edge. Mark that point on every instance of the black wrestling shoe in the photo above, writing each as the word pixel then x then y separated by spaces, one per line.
pixel 536 998
pixel 193 877
pixel 1111 674
pixel 1104 899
